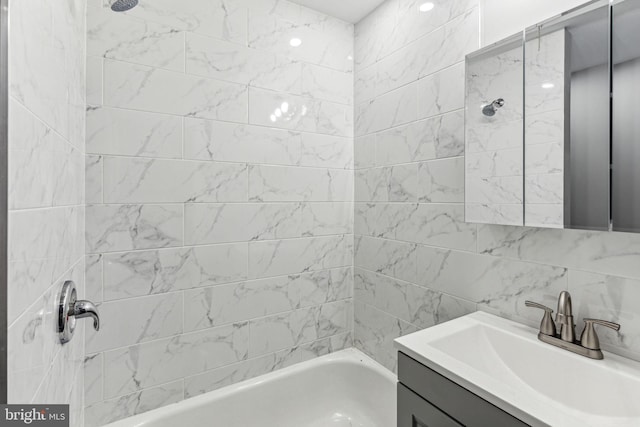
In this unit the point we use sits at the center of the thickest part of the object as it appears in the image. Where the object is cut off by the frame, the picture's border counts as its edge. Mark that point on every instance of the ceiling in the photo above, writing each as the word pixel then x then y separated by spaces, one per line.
pixel 347 10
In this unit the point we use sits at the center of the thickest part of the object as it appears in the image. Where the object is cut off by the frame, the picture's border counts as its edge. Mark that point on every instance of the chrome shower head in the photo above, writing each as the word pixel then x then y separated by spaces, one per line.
pixel 489 110
pixel 122 5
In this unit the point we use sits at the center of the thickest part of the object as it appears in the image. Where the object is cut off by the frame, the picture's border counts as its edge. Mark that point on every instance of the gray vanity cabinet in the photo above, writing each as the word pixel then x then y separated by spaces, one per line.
pixel 427 399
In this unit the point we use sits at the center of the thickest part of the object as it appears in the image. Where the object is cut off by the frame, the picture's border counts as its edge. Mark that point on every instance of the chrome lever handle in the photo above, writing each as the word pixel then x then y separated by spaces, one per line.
pixel 85 308
pixel 589 338
pixel 70 309
pixel 547 325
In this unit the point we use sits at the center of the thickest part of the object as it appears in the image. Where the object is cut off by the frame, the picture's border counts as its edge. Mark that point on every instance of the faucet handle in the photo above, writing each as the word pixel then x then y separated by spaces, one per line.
pixel 547 326
pixel 589 338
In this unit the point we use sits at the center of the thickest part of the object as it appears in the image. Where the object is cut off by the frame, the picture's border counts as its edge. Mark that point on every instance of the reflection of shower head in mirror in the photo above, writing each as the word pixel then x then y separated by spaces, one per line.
pixel 489 110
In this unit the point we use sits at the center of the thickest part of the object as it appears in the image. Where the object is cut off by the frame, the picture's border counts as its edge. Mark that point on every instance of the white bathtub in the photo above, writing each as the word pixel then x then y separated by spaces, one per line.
pixel 343 389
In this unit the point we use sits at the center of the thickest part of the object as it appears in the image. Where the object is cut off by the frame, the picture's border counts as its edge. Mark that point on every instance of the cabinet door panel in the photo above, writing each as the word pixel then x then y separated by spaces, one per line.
pixel 413 411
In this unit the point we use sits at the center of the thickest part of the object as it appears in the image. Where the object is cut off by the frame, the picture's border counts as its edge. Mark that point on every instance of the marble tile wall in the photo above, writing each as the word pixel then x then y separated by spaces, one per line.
pixel 219 224
pixel 46 198
pixel 417 263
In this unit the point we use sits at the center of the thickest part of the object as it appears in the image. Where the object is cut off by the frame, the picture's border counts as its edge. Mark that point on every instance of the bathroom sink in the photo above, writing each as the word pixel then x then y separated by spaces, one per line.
pixel 504 363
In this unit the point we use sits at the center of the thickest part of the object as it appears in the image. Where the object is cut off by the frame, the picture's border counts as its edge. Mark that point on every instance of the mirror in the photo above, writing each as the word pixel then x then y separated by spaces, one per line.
pixel 538 124
pixel 625 194
pixel 566 113
pixel 493 134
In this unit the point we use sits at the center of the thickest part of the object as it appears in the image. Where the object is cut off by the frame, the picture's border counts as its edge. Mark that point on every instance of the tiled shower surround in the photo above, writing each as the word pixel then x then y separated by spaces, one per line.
pixel 219 196
pixel 417 263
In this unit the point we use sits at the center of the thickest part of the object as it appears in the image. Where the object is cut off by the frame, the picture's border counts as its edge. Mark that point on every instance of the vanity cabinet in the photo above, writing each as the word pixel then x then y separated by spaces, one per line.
pixel 428 399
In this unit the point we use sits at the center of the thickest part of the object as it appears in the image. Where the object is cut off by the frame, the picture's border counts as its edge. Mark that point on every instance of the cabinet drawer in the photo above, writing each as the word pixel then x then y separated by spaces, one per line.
pixel 457 402
pixel 414 411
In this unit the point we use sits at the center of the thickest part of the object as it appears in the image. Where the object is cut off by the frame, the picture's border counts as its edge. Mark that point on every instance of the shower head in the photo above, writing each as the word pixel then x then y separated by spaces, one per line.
pixel 489 110
pixel 122 5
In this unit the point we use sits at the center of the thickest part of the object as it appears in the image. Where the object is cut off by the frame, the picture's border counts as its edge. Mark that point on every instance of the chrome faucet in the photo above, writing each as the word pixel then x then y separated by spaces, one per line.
pixel 589 344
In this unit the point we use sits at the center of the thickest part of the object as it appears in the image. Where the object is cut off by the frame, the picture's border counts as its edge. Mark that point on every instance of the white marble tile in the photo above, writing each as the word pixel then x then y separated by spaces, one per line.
pixel 441 92
pixel 503 163
pixel 439 225
pixel 372 34
pixel 327 151
pixel 374 332
pixel 365 219
pixel 391 109
pixel 289 184
pixel 131 180
pixel 223 19
pixel 244 370
pixel 148 318
pixel 282 331
pixel 545 188
pixel 388 257
pixel 437 137
pixel 141 273
pixel 371 185
pixel 544 215
pixel 219 223
pixel 94 80
pixel 222 60
pixel 415 304
pixel 507 214
pixel 30 165
pixel 449 44
pixel 68 174
pixel 544 158
pixel 113 228
pixel 236 302
pixel 230 142
pixel 606 253
pixel 441 181
pixel 92 378
pixel 609 298
pixel 498 285
pixel 364 148
pixel 365 84
pixel 156 90
pixel 275 258
pixel 47 64
pixel 322 44
pixel 412 23
pixel 219 305
pixel 119 36
pixel 133 133
pixel 494 190
pixel 403 183
pixel 327 84
pixel 280 110
pixel 93 275
pixel 93 179
pixel 327 218
pixel 157 362
pixel 108 411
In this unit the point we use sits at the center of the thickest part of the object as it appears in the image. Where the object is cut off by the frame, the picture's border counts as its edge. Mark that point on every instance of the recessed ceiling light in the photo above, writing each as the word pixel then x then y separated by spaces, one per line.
pixel 426 7
pixel 547 85
pixel 284 107
pixel 295 42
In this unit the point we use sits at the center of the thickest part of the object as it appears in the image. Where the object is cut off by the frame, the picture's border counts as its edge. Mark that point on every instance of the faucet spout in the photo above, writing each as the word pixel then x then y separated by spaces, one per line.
pixel 564 317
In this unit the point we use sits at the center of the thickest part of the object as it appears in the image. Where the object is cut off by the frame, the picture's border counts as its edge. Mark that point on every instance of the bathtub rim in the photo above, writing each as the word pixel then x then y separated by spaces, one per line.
pixel 349 355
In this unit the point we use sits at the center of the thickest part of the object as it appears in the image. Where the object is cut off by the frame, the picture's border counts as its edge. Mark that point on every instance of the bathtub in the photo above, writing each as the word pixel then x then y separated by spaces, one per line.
pixel 343 389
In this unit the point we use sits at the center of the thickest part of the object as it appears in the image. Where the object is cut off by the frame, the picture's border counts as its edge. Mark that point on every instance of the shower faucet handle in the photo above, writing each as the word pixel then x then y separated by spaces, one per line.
pixel 70 309
pixel 547 325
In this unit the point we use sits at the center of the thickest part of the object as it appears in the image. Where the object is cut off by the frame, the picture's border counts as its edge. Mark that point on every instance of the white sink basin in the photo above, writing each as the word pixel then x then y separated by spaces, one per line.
pixel 505 363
